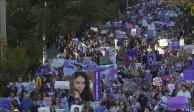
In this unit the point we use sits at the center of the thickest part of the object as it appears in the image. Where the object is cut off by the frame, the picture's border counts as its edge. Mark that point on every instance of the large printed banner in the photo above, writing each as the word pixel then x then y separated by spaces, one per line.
pixel 44 109
pixel 188 74
pixel 97 87
pixel 62 85
pixel 5 103
pixel 178 102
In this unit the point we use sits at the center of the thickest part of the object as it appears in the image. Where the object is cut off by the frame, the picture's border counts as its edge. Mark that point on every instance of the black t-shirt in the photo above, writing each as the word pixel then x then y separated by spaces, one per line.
pixel 34 108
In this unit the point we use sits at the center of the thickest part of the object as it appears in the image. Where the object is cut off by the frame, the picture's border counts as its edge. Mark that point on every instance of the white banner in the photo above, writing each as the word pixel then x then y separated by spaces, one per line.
pixel 164 42
pixel 76 108
pixel 43 109
pixel 58 62
pixel 133 32
pixel 182 42
pixel 157 81
pixel 62 85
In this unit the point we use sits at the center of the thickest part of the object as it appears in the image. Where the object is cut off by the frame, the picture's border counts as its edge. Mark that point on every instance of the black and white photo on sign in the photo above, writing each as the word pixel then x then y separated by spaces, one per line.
pixel 76 108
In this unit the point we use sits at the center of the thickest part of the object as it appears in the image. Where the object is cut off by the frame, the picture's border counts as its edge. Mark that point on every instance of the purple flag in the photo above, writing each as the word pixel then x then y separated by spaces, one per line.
pixel 138 33
pixel 112 72
pixel 178 102
pixel 97 93
pixel 188 74
pixel 151 57
pixel 132 52
pixel 192 64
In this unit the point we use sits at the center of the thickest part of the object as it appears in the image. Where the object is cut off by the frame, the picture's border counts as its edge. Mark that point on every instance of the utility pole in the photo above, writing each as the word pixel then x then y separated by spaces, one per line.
pixel 127 4
pixel 2 29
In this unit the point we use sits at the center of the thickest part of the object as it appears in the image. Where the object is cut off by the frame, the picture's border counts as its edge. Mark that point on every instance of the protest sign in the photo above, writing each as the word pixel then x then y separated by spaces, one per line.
pixel 104 31
pixel 57 62
pixel 133 31
pixel 178 102
pixel 157 81
pixel 69 67
pixel 47 101
pixel 174 45
pixel 163 42
pixel 62 85
pixel 94 29
pixel 5 103
pixel 76 108
pixel 139 65
pixel 120 43
pixel 151 57
pixel 75 41
pixel 43 109
pixel 188 74
pixel 121 34
pixel 132 52
pixel 98 110
pixel 60 110
pixel 182 42
pixel 97 93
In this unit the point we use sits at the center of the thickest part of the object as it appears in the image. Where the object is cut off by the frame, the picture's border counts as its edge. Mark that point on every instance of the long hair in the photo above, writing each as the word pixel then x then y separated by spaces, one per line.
pixel 86 95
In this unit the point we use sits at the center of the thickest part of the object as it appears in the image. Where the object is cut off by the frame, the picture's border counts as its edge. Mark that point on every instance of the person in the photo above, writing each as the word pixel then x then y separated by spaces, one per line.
pixel 82 86
pixel 185 93
pixel 26 102
pixel 34 107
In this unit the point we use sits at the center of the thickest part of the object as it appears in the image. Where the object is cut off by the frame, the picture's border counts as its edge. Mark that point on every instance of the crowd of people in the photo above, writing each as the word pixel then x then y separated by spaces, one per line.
pixel 143 57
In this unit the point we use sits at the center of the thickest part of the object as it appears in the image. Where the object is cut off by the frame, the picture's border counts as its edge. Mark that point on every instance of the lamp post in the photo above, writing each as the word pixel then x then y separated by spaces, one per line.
pixel 44 54
pixel 127 4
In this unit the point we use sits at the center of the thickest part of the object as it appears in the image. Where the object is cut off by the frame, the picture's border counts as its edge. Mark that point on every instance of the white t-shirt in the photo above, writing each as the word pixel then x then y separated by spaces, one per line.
pixel 187 95
pixel 171 87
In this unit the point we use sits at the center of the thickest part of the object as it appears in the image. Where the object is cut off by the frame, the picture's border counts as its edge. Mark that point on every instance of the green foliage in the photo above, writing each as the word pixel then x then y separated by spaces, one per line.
pixel 29 20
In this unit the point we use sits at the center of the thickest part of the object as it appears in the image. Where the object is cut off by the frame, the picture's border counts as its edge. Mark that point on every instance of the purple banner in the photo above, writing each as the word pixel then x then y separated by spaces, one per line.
pixel 178 102
pixel 120 43
pixel 174 45
pixel 5 103
pixel 97 92
pixel 192 64
pixel 98 110
pixel 188 74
